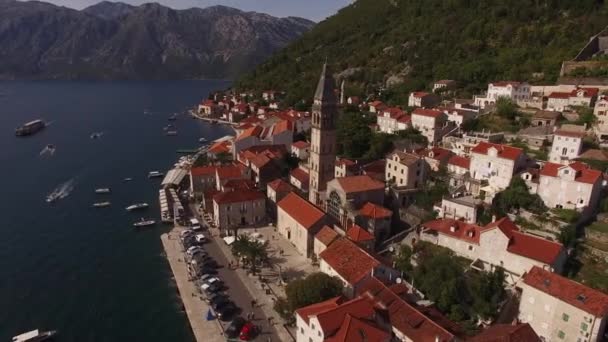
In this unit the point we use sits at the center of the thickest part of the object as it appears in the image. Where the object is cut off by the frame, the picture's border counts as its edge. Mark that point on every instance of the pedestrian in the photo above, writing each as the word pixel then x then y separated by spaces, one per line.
pixel 252 315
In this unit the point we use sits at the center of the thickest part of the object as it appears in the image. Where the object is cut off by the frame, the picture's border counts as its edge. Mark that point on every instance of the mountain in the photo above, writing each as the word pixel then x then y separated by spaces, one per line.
pixel 119 41
pixel 407 44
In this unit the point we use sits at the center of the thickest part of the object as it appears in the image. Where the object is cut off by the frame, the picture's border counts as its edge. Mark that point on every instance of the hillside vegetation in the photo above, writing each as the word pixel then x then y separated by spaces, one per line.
pixel 406 44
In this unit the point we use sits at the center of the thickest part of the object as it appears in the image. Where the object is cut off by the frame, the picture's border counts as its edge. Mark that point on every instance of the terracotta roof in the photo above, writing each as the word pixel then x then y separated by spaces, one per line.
pixel 358 234
pixel 462 230
pixel 534 248
pixel 350 261
pixel 427 112
pixel 239 184
pixel 578 295
pixel 345 162
pixel 220 147
pixel 507 333
pixel 374 211
pixel 459 161
pixel 436 153
pixel 559 95
pixel 282 126
pixel 375 167
pixel 595 154
pixel 280 185
pixel 506 83
pixel 314 309
pixel 405 118
pixel 331 320
pixel 238 196
pixel 327 235
pixel 208 103
pixel 202 171
pixel 304 212
pixel 301 176
pixel 229 171
pixel 420 94
pixel 587 92
pixel 300 144
pixel 394 112
pixel 584 173
pixel 405 158
pixel 546 114
pixel 567 133
pixel 357 330
pixel 359 184
pixel 408 319
pixel 376 104
pixel 250 132
pixel 504 151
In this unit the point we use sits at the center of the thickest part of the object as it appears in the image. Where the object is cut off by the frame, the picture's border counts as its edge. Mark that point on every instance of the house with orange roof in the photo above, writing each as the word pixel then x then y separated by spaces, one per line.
pixel 515 332
pixel 238 208
pixel 346 195
pixel 224 173
pixel 375 219
pixel 222 147
pixel 496 164
pixel 574 186
pixel 422 99
pixel 300 179
pixel 345 167
pixel 376 106
pixel 498 244
pixel 361 237
pixel 600 111
pixel 209 108
pixel 583 97
pixel 299 221
pixel 325 237
pixel 269 132
pixel 560 309
pixel 435 157
pixel 518 92
pixel 276 190
pixel 264 161
pixel 433 124
pixel 567 144
pixel 393 119
pixel 202 178
pixel 301 149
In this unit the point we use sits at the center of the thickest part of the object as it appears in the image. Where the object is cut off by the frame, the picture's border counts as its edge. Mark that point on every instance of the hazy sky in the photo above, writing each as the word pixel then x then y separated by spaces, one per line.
pixel 312 9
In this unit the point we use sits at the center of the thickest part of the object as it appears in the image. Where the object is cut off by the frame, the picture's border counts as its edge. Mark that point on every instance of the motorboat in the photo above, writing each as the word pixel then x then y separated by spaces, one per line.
pixel 128 179
pixel 34 336
pixel 171 133
pixel 144 223
pixel 173 117
pixel 53 196
pixel 102 191
pixel 168 127
pixel 155 174
pixel 102 204
pixel 202 140
pixel 96 135
pixel 137 206
pixel 30 128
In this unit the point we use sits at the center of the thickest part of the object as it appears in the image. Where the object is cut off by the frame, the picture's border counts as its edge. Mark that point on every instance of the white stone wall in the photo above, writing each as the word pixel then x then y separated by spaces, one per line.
pixel 549 316
pixel 564 192
pixel 564 149
pixel 327 269
pixel 456 210
pixel 557 104
pixel 405 176
pixel 292 231
pixel 601 114
pixel 230 215
pixel 308 332
pixel 498 171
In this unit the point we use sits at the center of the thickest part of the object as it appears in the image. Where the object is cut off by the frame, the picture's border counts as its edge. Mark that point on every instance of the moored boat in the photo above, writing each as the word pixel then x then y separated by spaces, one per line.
pixel 202 140
pixel 171 133
pixel 30 128
pixel 102 191
pixel 34 336
pixel 137 206
pixel 155 174
pixel 101 204
pixel 128 179
pixel 144 223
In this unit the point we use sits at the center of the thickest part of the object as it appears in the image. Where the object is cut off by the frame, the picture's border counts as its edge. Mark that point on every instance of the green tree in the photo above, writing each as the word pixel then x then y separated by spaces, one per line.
pixel 506 108
pixel 252 251
pixel 567 236
pixel 517 196
pixel 403 261
pixel 315 288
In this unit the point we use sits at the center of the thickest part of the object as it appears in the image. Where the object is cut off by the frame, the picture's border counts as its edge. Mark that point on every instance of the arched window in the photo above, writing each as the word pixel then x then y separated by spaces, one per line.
pixel 334 205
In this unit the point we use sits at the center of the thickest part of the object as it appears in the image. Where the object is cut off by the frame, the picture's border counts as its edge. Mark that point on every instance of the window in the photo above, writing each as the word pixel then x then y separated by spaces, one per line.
pixel 565 317
pixel 310 339
pixel 301 330
pixel 561 335
pixel 584 326
pixel 319 333
pixel 470 247
pixel 312 327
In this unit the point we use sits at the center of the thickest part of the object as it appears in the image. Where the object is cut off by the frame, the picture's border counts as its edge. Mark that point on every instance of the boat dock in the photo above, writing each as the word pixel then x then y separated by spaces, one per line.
pixel 196 309
pixel 213 120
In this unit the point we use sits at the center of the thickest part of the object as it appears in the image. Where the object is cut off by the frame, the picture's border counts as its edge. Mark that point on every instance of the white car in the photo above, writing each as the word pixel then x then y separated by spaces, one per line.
pixel 212 280
pixel 194 224
pixel 185 233
pixel 200 238
pixel 194 250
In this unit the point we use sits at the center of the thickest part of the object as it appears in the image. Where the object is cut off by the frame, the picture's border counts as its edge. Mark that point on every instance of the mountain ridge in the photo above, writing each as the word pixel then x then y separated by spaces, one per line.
pixel 118 41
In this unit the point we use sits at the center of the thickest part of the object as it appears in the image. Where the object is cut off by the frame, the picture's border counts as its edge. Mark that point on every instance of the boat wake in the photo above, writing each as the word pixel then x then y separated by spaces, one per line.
pixel 62 191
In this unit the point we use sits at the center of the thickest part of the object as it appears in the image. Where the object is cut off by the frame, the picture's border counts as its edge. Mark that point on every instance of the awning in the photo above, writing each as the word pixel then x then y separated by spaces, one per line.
pixel 174 177
pixel 229 240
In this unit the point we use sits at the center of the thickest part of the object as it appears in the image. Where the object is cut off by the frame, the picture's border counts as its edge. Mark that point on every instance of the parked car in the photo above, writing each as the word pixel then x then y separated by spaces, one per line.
pixel 220 302
pixel 225 312
pixel 185 233
pixel 234 328
pixel 211 288
pixel 202 270
pixel 194 224
pixel 248 332
pixel 200 238
pixel 214 297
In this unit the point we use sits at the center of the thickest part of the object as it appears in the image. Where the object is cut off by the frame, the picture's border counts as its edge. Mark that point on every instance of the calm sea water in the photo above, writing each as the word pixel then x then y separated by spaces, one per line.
pixel 70 267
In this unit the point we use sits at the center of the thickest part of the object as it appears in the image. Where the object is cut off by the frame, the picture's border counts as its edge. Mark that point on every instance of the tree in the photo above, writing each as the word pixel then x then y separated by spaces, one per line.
pixel 315 288
pixel 567 236
pixel 517 196
pixel 253 251
pixel 354 134
pixel 403 261
pixel 506 108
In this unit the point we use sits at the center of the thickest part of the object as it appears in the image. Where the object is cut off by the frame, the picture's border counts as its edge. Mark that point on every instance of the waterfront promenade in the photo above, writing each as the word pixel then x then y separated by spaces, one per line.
pixel 196 309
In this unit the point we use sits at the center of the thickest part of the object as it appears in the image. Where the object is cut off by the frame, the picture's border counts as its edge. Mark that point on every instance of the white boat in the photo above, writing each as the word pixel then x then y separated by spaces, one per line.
pixel 34 336
pixel 102 191
pixel 155 174
pixel 96 135
pixel 144 223
pixel 52 197
pixel 171 133
pixel 101 204
pixel 137 206
pixel 202 140
pixel 128 179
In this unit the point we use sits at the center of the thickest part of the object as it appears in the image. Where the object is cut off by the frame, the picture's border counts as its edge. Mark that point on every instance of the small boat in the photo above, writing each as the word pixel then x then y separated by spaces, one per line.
pixel 50 149
pixel 96 135
pixel 53 196
pixel 144 223
pixel 173 117
pixel 137 206
pixel 155 174
pixel 128 179
pixel 171 133
pixel 168 127
pixel 101 204
pixel 30 128
pixel 34 336
pixel 202 140
pixel 102 191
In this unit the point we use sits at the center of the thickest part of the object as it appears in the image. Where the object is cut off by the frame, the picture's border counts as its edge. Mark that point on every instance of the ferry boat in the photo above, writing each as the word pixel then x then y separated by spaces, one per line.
pixel 155 174
pixel 34 336
pixel 144 223
pixel 137 206
pixel 101 204
pixel 102 191
pixel 30 128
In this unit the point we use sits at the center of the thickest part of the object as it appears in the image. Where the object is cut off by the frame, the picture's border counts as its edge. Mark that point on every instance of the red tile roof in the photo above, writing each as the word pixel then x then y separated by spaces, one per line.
pixel 238 196
pixel 459 161
pixel 346 162
pixel 208 103
pixel 280 185
pixel 220 147
pixel 427 112
pixel 587 92
pixel 202 171
pixel 436 153
pixel 239 184
pixel 358 234
pixel 332 319
pixel 420 94
pixel 350 261
pixel 578 295
pixel 534 248
pixel 507 333
pixel 304 212
pixel 584 173
pixel 376 104
pixel 559 95
pixel 314 309
pixel 250 132
pixel 394 112
pixel 301 176
pixel 566 133
pixel 282 126
pixel 359 184
pixel 300 144
pixel 229 172
pixel 374 211
pixel 357 330
pixel 327 235
pixel 504 151
pixel 461 230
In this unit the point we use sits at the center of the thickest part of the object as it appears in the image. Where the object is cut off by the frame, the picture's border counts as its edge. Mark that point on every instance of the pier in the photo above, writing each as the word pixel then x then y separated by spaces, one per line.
pixel 196 309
